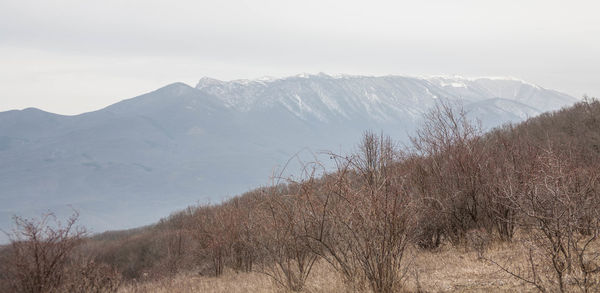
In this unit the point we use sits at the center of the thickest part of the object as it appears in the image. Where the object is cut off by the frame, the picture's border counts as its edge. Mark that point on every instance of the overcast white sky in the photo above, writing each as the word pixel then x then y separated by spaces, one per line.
pixel 70 57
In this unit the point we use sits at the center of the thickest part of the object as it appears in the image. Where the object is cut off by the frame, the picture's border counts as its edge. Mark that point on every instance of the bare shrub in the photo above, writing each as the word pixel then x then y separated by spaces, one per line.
pixel 242 214
pixel 510 155
pixel 174 239
pixel 559 213
pixel 40 252
pixel 42 258
pixel 449 178
pixel 212 227
pixel 282 236
pixel 364 216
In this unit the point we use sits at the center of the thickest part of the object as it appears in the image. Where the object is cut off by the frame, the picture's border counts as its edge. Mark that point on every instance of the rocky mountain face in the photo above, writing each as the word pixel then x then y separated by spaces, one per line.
pixel 136 161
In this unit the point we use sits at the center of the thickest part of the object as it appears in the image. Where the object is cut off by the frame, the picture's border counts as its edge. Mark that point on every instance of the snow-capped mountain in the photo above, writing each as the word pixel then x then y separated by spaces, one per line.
pixel 326 98
pixel 137 160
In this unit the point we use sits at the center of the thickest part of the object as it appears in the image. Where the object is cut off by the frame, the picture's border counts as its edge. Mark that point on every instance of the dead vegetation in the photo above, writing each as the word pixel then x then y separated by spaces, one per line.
pixel 515 209
pixel 42 257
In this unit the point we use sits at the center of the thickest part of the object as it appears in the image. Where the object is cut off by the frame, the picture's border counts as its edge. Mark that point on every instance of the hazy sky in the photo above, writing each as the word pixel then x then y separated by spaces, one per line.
pixel 75 56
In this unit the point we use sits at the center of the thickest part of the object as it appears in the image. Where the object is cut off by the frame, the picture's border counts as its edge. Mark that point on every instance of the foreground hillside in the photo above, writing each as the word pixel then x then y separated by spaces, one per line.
pixel 514 209
pixel 134 162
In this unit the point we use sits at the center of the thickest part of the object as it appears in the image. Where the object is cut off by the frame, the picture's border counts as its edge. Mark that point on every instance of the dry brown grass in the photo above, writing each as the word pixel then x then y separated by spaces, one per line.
pixel 322 279
pixel 450 269
pixel 229 281
pixel 447 269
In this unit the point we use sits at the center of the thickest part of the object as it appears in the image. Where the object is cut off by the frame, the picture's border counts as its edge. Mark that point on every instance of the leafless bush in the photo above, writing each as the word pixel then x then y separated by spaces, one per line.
pixel 40 252
pixel 243 251
pixel 42 258
pixel 212 226
pixel 449 175
pixel 510 156
pixel 175 252
pixel 364 217
pixel 559 213
pixel 282 236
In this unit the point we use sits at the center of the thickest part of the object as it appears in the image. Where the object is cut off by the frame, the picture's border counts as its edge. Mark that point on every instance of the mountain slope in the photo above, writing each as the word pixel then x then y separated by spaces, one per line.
pixel 137 160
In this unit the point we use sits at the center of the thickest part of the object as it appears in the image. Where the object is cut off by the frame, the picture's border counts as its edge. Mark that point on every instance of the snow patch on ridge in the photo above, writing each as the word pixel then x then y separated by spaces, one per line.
pixel 387 98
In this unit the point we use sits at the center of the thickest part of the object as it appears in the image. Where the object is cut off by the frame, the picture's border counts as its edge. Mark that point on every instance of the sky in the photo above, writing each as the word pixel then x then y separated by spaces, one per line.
pixel 70 57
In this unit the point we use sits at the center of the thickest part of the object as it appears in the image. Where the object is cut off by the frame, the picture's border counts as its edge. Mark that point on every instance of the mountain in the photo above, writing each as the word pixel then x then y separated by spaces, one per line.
pixel 136 161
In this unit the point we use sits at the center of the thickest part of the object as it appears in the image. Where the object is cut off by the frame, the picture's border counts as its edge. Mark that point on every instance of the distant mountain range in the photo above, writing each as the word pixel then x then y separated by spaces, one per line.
pixel 136 161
